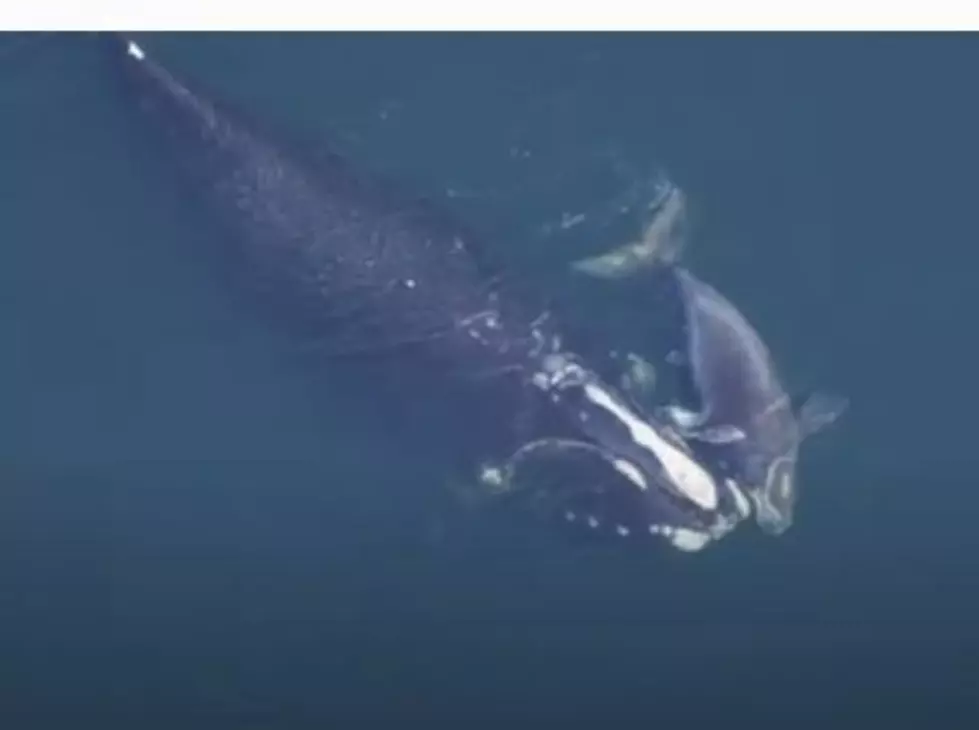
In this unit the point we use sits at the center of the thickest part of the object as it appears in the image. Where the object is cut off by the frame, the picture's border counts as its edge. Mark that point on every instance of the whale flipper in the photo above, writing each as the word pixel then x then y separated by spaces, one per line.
pixel 819 410
pixel 722 434
pixel 692 425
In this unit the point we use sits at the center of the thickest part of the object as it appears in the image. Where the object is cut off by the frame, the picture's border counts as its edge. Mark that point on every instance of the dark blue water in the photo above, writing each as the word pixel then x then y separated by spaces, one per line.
pixel 198 531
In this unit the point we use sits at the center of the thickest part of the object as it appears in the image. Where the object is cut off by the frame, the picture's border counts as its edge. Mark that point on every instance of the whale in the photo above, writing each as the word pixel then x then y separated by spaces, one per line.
pixel 746 419
pixel 366 269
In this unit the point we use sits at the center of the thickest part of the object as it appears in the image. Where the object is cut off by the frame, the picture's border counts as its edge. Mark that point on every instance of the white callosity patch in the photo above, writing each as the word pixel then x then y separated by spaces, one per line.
pixel 781 482
pixel 681 537
pixel 774 502
pixel 631 472
pixel 685 473
pixel 540 380
pixel 741 502
pixel 687 540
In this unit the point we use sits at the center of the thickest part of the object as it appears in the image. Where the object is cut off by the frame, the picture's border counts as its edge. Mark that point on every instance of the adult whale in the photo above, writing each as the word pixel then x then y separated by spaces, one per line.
pixel 366 269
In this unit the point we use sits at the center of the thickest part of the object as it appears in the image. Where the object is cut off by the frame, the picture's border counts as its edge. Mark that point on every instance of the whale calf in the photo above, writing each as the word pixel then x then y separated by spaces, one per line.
pixel 366 269
pixel 746 419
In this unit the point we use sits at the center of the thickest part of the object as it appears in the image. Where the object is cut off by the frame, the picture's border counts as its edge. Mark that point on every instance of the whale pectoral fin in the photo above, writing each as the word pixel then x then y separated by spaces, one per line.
pixel 819 411
pixel 725 434
pixel 691 425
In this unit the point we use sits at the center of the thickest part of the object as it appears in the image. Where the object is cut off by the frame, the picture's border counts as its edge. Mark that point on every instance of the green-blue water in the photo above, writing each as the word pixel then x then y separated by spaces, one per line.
pixel 196 532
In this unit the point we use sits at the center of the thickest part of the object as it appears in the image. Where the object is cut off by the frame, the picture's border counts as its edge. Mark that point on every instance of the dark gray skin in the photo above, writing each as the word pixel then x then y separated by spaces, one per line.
pixel 746 421
pixel 364 269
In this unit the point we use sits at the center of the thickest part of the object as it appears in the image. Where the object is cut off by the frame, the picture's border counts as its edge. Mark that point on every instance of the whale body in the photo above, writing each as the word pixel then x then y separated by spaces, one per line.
pixel 365 269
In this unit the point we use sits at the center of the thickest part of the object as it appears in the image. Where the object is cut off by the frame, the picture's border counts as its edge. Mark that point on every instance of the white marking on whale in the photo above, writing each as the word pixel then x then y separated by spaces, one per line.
pixel 630 471
pixel 685 473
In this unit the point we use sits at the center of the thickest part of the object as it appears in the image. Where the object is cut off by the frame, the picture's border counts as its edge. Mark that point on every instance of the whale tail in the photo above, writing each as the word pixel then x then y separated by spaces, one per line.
pixel 661 244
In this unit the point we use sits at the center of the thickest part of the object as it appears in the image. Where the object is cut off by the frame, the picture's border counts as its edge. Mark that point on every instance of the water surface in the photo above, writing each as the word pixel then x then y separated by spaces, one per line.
pixel 195 530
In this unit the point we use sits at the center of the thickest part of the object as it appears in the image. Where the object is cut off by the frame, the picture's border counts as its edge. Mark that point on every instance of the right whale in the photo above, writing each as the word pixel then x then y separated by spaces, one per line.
pixel 371 272
pixel 746 421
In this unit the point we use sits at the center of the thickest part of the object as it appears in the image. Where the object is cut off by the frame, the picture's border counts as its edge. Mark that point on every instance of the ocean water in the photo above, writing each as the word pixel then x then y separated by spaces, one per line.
pixel 196 531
